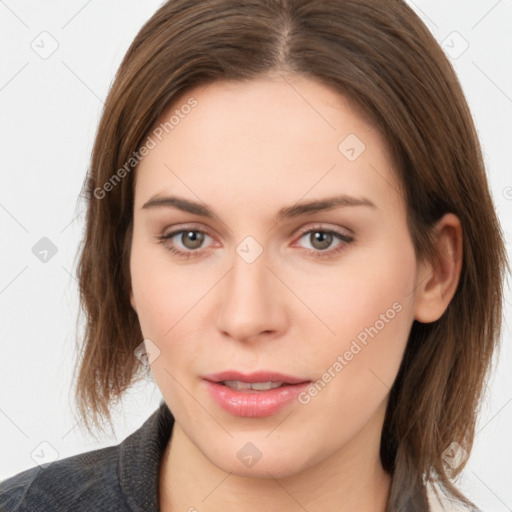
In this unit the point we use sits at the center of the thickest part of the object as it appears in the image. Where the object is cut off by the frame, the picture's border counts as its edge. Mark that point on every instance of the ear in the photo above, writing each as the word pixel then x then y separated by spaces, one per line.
pixel 436 282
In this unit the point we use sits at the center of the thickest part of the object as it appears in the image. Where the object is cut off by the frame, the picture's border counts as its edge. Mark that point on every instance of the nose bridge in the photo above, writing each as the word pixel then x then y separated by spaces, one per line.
pixel 250 299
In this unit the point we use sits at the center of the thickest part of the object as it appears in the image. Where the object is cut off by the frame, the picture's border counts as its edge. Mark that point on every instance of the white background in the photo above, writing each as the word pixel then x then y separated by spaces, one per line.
pixel 49 110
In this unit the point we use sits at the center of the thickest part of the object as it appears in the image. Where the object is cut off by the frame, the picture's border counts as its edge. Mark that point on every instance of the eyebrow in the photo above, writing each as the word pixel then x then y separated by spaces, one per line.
pixel 289 212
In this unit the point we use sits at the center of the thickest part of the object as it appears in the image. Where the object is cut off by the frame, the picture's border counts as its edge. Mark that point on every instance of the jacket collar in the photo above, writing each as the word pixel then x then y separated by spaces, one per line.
pixel 139 460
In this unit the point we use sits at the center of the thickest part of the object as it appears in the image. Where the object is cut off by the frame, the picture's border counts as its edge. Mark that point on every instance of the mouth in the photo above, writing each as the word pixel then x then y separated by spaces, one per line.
pixel 254 395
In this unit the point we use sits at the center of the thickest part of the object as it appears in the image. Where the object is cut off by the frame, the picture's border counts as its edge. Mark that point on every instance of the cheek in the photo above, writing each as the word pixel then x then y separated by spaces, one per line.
pixel 366 309
pixel 164 292
pixel 355 370
pixel 170 302
pixel 374 318
pixel 358 295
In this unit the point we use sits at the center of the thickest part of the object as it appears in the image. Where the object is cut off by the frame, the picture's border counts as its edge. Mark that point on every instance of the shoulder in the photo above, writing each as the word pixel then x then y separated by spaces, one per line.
pixel 118 478
pixel 75 483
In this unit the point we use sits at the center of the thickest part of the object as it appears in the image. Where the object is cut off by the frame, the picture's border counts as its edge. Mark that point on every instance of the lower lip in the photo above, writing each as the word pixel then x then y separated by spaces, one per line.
pixel 254 404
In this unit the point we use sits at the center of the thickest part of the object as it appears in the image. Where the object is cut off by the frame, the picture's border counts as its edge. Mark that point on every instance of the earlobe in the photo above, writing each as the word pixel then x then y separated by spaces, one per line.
pixel 437 282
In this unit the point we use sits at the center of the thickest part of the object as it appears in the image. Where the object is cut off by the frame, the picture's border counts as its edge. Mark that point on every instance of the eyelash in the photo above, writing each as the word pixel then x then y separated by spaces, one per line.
pixel 345 239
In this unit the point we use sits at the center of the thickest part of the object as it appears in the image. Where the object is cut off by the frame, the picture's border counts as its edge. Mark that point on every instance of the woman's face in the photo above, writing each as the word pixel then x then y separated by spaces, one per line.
pixel 286 261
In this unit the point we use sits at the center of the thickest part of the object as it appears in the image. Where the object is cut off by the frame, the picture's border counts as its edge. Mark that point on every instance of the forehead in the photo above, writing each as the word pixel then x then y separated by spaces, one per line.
pixel 272 138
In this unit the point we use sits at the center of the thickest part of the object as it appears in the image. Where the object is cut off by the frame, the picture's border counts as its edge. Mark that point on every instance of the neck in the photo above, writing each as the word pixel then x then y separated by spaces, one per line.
pixel 350 480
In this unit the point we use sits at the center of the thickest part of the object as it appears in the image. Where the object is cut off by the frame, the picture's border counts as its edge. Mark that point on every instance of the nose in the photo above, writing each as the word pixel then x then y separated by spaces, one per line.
pixel 251 302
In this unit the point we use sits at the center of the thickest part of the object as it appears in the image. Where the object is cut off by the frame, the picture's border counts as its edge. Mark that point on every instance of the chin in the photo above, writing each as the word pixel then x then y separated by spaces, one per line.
pixel 263 458
pixel 270 468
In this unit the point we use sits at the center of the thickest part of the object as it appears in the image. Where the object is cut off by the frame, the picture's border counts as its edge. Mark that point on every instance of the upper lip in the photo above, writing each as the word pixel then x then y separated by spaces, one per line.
pixel 259 376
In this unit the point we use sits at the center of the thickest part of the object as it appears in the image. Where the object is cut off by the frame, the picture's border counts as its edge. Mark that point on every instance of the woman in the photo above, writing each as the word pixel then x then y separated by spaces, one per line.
pixel 289 223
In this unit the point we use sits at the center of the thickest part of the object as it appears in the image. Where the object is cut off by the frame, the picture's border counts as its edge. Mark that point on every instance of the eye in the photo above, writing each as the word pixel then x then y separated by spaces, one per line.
pixel 324 242
pixel 185 243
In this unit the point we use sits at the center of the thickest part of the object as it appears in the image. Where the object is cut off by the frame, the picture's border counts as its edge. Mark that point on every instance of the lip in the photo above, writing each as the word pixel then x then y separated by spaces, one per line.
pixel 254 404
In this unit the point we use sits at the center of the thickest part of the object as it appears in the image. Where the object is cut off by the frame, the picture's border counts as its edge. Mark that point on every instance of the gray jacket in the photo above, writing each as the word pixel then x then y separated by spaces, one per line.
pixel 121 478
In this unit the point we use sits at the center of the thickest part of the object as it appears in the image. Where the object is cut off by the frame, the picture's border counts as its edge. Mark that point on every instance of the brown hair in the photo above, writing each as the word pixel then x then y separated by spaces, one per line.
pixel 379 54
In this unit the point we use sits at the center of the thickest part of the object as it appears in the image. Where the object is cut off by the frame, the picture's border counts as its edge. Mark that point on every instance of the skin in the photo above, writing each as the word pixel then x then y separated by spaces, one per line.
pixel 246 151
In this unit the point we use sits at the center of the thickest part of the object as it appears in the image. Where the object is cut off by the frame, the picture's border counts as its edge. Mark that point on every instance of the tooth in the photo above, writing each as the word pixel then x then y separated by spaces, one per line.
pixel 237 385
pixel 264 386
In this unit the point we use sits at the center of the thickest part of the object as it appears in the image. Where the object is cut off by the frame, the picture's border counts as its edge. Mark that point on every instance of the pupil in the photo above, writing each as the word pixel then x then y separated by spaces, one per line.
pixel 321 240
